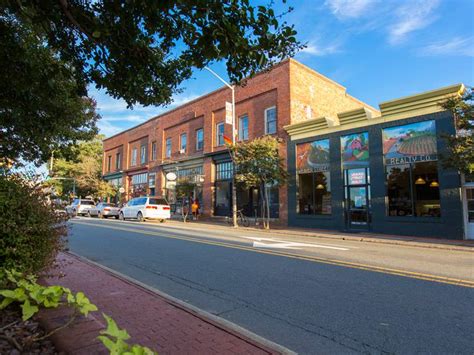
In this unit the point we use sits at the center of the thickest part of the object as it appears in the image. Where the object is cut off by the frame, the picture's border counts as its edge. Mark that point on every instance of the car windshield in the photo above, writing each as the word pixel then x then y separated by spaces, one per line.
pixel 157 201
pixel 83 202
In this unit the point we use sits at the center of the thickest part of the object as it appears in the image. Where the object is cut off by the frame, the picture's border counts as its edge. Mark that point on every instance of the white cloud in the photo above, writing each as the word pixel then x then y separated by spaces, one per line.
pixel 411 16
pixel 456 46
pixel 316 49
pixel 345 9
pixel 107 128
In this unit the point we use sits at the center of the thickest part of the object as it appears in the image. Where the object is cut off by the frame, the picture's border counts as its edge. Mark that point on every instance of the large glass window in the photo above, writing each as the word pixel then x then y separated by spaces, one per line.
pixel 270 120
pixel 224 171
pixel 413 190
pixel 243 128
pixel 314 193
pixel 223 196
pixel 200 139
pixel 220 134
pixel 168 148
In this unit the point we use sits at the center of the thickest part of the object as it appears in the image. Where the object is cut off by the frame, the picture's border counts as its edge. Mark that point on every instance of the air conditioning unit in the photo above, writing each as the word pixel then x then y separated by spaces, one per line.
pixel 182 151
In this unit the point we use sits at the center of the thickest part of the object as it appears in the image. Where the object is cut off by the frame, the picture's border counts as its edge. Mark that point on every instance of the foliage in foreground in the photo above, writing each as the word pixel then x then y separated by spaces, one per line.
pixel 259 164
pixel 31 232
pixel 32 297
pixel 461 145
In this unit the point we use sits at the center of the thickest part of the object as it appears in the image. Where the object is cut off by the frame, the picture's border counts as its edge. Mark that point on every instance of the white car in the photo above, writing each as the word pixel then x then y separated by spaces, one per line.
pixel 142 208
pixel 79 206
pixel 104 210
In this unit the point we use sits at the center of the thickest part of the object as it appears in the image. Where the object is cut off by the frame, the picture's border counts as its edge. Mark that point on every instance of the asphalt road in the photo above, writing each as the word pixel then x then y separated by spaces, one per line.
pixel 315 296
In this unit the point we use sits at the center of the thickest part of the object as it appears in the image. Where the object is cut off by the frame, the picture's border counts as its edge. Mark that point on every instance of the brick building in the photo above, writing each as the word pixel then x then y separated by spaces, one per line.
pixel 188 140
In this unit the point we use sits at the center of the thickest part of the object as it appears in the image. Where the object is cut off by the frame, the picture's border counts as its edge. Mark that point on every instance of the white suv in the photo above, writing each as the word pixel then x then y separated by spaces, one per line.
pixel 142 208
pixel 79 207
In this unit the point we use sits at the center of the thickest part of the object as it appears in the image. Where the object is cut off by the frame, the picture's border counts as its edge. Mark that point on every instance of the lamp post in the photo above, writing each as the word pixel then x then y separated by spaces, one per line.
pixel 234 188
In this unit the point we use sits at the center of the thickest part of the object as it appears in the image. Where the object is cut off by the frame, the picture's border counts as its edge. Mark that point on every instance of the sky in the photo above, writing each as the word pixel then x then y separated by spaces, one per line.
pixel 378 49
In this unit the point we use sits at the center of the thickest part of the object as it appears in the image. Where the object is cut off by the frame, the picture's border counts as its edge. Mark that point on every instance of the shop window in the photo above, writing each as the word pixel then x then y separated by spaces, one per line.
pixel 314 193
pixel 183 143
pixel 413 190
pixel 200 139
pixel 223 194
pixel 243 128
pixel 143 154
pixel 270 120
pixel 220 134
pixel 168 148
pixel 224 171
pixel 134 157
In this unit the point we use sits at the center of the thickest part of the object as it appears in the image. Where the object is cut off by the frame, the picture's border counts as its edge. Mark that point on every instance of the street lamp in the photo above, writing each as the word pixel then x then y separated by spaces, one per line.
pixel 234 188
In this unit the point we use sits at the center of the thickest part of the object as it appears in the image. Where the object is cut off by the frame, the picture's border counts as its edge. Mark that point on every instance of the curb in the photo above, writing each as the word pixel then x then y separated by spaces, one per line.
pixel 223 324
pixel 367 239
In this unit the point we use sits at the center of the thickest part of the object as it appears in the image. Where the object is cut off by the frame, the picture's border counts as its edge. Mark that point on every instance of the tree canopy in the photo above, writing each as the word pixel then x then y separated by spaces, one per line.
pixel 461 145
pixel 139 51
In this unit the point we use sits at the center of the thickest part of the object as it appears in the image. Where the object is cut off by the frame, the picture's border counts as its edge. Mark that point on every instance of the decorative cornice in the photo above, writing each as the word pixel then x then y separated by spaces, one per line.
pixel 357 115
pixel 314 124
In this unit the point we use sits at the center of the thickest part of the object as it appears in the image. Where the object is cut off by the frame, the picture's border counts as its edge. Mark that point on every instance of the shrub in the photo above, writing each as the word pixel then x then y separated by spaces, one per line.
pixel 31 233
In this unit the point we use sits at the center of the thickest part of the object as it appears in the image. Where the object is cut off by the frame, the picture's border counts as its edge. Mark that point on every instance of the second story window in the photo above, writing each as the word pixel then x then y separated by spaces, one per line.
pixel 109 163
pixel 153 151
pixel 200 139
pixel 118 161
pixel 134 157
pixel 220 134
pixel 168 148
pixel 243 128
pixel 143 154
pixel 183 139
pixel 270 120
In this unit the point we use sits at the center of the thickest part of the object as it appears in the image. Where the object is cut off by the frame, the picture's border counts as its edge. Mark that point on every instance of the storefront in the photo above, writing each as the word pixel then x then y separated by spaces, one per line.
pixel 468 198
pixel 116 180
pixel 138 185
pixel 382 175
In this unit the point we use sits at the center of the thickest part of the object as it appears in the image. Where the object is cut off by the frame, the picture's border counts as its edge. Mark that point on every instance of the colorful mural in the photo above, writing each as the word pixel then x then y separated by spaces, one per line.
pixel 411 143
pixel 313 156
pixel 355 149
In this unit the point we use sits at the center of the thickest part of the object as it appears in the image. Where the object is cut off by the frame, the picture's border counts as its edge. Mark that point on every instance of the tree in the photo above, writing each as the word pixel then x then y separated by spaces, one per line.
pixel 86 168
pixel 258 163
pixel 42 106
pixel 141 51
pixel 461 145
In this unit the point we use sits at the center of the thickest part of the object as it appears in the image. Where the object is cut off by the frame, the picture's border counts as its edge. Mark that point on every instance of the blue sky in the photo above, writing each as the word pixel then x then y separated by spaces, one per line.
pixel 378 49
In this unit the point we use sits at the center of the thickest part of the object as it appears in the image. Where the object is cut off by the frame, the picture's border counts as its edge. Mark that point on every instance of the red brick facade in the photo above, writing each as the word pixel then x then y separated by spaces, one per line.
pixel 296 92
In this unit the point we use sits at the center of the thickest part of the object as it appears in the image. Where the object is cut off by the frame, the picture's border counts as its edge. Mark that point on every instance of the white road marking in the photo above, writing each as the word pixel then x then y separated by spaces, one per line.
pixel 293 245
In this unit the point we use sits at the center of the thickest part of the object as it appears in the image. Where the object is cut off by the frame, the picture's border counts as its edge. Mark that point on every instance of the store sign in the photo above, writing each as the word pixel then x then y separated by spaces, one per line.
pixel 171 176
pixel 228 112
pixel 356 176
pixel 313 156
pixel 411 143
pixel 355 149
pixel 121 190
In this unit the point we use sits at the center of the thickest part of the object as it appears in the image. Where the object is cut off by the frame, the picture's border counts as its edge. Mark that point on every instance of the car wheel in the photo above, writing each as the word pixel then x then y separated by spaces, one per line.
pixel 140 217
pixel 121 217
pixel 117 217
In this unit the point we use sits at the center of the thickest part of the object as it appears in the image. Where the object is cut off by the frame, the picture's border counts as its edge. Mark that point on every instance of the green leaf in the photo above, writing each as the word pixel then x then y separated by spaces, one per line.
pixel 6 302
pixel 113 329
pixel 8 294
pixel 28 310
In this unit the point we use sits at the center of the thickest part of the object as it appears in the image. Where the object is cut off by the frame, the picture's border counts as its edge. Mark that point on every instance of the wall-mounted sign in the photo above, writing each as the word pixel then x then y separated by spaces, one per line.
pixel 228 112
pixel 121 190
pixel 313 156
pixel 356 176
pixel 171 176
pixel 411 143
pixel 355 149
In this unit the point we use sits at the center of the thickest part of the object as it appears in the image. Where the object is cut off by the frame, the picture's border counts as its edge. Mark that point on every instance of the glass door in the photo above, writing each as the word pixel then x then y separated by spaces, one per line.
pixel 357 191
pixel 469 208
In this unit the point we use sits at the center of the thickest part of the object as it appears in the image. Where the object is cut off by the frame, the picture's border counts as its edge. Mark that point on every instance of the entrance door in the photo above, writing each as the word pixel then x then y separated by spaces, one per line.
pixel 469 212
pixel 357 198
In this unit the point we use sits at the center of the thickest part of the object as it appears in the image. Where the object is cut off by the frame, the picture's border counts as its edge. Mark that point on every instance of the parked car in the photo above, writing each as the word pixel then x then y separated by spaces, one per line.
pixel 104 210
pixel 79 206
pixel 142 208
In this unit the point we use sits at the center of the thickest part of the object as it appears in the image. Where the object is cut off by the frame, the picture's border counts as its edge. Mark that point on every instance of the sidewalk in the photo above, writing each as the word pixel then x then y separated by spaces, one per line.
pixel 152 319
pixel 292 232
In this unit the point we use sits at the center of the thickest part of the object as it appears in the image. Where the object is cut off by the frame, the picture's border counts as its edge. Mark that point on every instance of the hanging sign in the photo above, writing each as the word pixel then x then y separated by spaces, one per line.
pixel 228 112
pixel 171 176
pixel 411 143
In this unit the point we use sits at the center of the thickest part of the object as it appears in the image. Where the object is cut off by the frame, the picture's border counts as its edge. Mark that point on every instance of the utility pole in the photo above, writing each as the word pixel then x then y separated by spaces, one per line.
pixel 234 187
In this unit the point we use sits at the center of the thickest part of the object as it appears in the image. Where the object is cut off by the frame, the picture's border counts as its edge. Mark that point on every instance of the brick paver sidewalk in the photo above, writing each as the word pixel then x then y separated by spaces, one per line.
pixel 150 319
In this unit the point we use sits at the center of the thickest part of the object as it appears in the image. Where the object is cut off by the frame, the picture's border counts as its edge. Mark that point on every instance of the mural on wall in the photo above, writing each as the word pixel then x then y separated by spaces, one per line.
pixel 313 156
pixel 411 143
pixel 355 149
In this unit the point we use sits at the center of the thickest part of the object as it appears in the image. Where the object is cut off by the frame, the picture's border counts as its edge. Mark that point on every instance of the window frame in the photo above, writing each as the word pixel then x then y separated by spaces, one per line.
pixel 169 151
pixel 185 136
pixel 143 154
pixel 199 141
pixel 133 161
pixel 118 161
pixel 153 150
pixel 266 120
pixel 219 124
pixel 241 135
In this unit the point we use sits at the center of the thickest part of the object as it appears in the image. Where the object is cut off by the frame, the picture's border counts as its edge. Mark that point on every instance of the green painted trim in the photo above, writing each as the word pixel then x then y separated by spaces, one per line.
pixel 113 175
